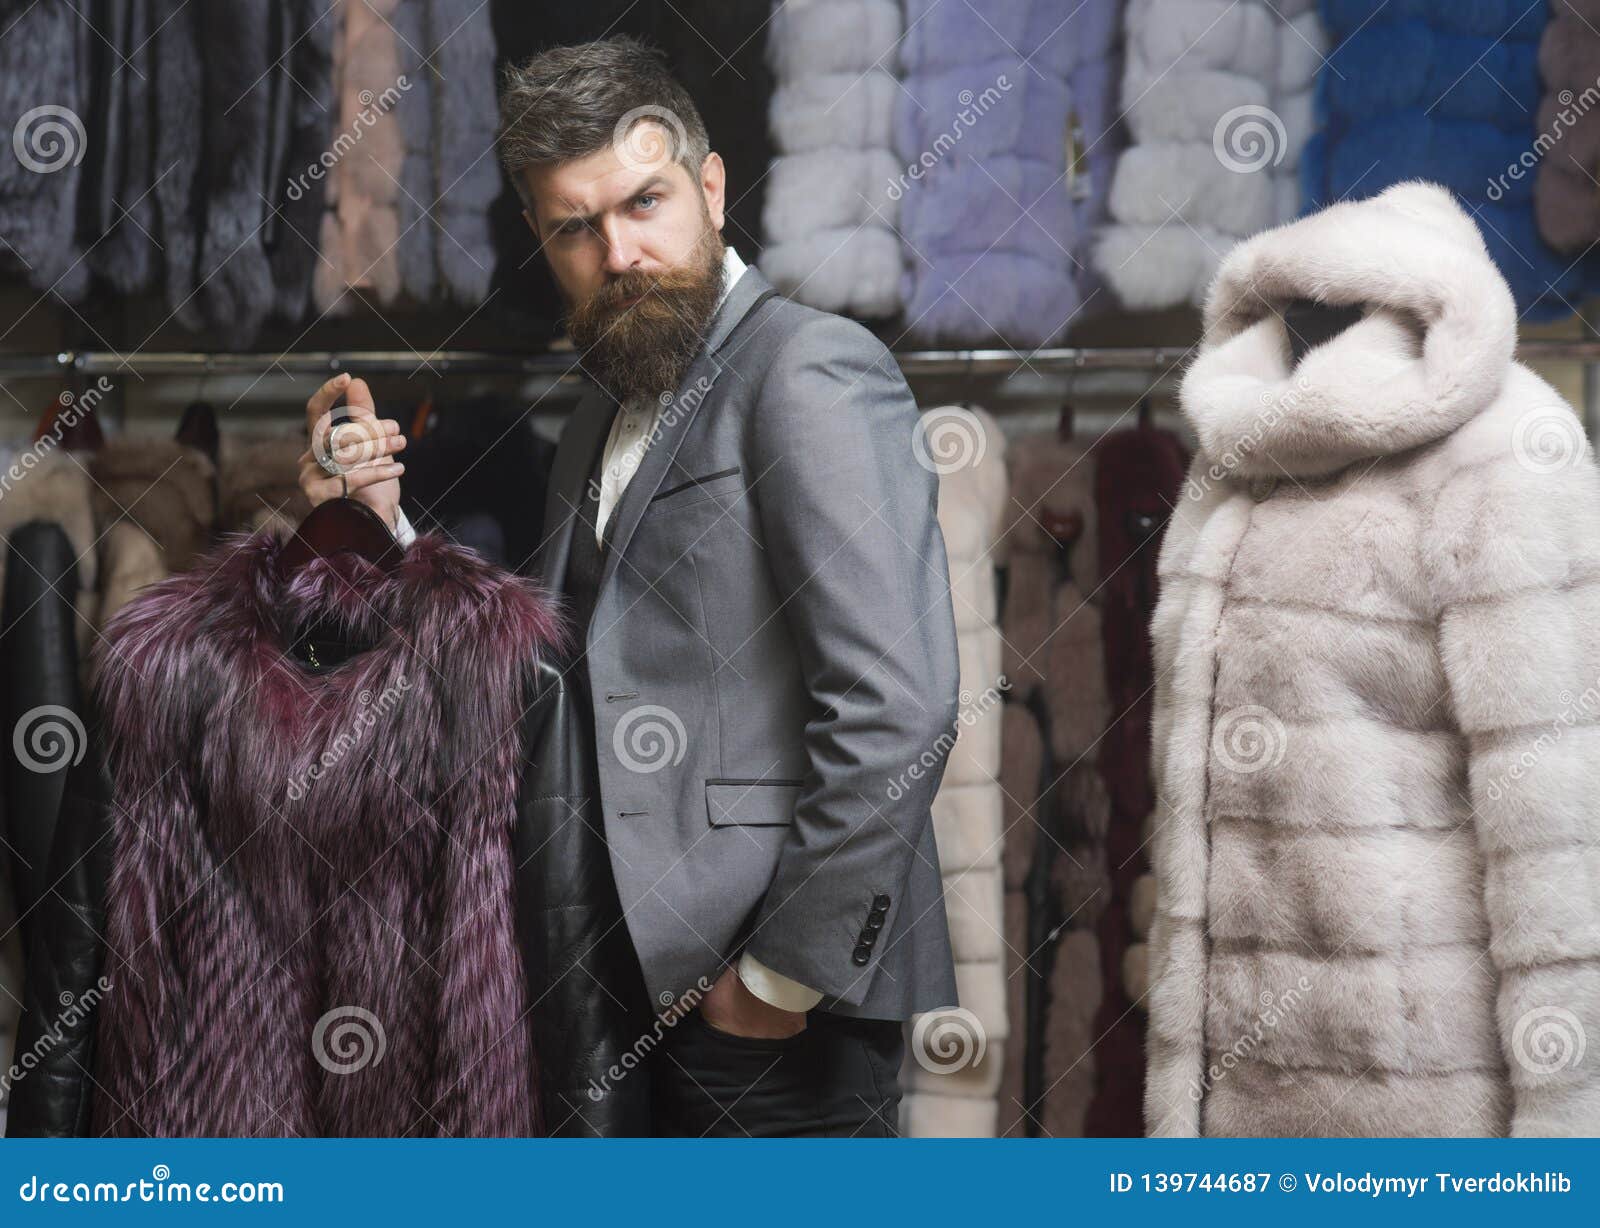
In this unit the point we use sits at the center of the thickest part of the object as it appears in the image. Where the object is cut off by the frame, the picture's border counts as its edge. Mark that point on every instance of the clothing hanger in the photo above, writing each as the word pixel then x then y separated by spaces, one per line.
pixel 341 526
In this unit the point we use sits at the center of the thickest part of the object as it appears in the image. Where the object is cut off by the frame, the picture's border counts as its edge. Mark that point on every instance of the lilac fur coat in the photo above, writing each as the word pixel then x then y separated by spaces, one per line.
pixel 309 915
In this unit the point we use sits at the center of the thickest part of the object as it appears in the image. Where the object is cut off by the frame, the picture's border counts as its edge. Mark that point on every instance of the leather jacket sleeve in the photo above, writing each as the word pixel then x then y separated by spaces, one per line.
pixel 585 988
pixel 54 1057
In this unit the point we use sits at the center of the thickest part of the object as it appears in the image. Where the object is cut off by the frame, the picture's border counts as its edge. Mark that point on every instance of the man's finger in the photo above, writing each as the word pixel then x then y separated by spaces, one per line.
pixel 323 488
pixel 323 398
pixel 359 399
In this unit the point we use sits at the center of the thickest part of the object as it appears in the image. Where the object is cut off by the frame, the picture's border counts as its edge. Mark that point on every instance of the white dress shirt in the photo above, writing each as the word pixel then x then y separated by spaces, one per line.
pixel 631 432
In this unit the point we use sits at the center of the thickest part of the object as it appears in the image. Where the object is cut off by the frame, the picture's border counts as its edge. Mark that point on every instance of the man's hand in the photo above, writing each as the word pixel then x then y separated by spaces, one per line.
pixel 364 450
pixel 732 1007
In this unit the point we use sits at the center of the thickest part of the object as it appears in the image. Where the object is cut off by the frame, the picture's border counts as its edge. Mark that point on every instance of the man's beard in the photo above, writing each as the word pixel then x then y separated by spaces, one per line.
pixel 644 350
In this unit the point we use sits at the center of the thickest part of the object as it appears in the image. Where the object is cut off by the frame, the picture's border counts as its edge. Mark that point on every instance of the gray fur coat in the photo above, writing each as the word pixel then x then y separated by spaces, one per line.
pixel 1377 728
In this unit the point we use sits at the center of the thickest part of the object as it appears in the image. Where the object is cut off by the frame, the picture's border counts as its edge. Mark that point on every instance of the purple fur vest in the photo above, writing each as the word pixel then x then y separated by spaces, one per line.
pixel 310 911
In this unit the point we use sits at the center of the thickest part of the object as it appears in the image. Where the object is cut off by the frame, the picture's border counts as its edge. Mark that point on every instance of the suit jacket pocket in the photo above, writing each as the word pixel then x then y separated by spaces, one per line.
pixel 751 803
pixel 721 481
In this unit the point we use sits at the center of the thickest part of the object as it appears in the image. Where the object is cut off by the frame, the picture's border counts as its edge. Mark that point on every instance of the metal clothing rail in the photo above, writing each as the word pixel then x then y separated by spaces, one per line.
pixel 998 362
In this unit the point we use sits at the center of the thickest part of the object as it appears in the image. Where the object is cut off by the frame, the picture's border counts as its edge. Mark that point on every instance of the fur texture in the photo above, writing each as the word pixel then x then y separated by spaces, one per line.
pixel 1565 202
pixel 832 104
pixel 1451 96
pixel 1011 158
pixel 292 846
pixel 1376 739
pixel 966 814
pixel 1176 205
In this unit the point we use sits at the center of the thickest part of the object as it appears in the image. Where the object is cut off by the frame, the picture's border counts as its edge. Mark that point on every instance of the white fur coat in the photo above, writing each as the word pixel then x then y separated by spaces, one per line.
pixel 1377 729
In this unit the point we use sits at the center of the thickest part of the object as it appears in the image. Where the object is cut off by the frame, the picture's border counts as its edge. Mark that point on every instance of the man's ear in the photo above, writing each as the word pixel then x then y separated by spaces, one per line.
pixel 713 184
pixel 532 225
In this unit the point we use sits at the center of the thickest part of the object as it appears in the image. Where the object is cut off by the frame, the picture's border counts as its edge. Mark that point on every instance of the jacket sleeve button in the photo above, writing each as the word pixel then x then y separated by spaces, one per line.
pixel 881 903
pixel 861 954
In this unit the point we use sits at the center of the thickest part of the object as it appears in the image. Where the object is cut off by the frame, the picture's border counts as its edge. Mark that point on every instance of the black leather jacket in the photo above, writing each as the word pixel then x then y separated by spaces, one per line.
pixel 585 989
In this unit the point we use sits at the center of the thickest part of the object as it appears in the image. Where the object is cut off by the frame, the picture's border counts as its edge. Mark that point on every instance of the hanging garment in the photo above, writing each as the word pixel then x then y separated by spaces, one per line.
pixel 481 473
pixel 583 979
pixel 361 228
pixel 310 914
pixel 1138 479
pixel 155 508
pixel 259 483
pixel 952 1071
pixel 48 56
pixel 304 106
pixel 994 177
pixel 1448 93
pixel 1374 730
pixel 1217 103
pixel 118 202
pixel 1564 197
pixel 53 486
pixel 39 702
pixel 1056 883
pixel 830 234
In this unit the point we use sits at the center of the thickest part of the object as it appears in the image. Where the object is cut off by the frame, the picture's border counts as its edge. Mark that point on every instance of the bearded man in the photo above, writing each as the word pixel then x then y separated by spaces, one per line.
pixel 743 523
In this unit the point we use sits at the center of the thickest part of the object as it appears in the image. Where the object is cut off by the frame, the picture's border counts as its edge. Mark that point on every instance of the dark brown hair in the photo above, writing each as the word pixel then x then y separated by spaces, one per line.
pixel 569 102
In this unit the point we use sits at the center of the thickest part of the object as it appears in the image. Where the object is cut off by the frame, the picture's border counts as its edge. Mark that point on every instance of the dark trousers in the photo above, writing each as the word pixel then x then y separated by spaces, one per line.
pixel 838 1078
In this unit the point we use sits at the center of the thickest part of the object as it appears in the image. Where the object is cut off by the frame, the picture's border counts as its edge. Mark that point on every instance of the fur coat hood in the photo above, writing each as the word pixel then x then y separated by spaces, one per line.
pixel 309 915
pixel 1376 736
pixel 1431 352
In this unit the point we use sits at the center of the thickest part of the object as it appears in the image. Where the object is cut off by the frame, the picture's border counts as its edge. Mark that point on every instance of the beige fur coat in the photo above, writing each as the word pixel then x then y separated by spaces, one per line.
pixel 1377 729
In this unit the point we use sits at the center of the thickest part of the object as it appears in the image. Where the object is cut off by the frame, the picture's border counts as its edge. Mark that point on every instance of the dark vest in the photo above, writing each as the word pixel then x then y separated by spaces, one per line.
pixel 586 559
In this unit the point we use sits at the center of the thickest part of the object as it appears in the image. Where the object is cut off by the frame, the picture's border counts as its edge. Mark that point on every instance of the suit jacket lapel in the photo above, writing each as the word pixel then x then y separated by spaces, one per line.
pixel 676 414
pixel 586 432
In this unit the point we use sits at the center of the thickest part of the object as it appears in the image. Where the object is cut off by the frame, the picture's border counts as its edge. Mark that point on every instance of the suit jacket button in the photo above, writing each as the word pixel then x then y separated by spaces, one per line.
pixel 874 922
pixel 881 903
pixel 862 953
pixel 868 937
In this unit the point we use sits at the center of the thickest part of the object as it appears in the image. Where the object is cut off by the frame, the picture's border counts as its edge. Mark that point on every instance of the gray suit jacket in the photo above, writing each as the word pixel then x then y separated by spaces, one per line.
pixel 773 664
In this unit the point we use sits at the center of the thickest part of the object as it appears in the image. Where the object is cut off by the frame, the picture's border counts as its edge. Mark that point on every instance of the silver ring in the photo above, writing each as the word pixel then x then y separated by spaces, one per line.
pixel 330 466
pixel 346 483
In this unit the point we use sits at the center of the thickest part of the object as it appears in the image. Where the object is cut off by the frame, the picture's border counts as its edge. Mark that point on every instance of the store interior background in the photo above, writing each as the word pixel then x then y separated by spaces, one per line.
pixel 1037 1071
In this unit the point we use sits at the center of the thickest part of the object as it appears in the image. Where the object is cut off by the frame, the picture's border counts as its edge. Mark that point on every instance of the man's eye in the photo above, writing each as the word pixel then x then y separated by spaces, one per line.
pixel 645 196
